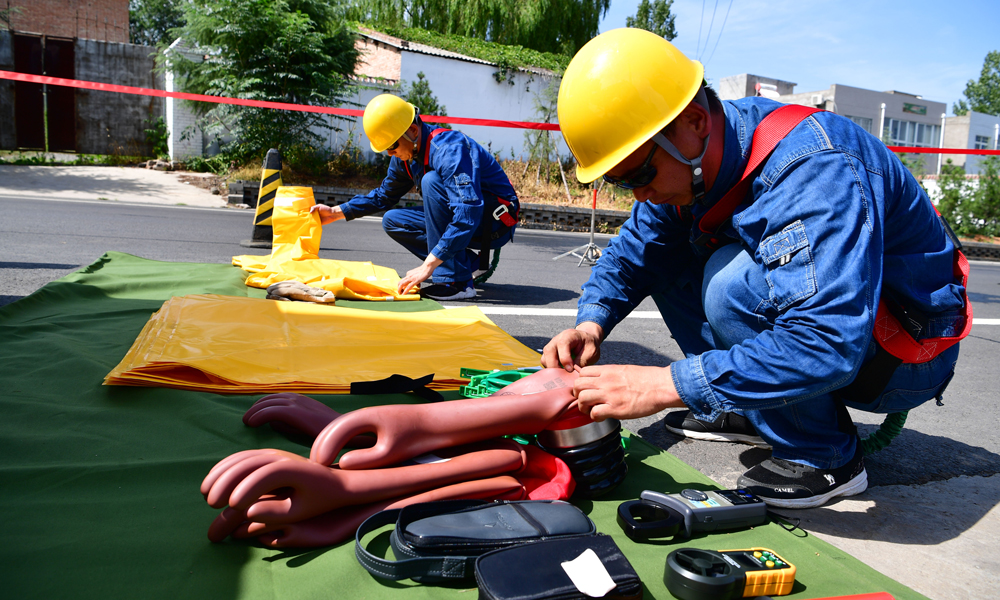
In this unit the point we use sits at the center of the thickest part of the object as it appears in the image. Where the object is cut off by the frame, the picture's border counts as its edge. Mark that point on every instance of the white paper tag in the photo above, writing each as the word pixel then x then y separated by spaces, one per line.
pixel 588 574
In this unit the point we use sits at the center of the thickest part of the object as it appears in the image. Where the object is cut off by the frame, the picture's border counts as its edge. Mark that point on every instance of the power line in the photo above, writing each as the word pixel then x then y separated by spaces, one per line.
pixel 710 23
pixel 700 23
pixel 721 29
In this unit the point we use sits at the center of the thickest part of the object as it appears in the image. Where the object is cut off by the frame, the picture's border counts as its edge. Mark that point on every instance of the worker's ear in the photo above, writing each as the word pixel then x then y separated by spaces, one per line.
pixel 413 131
pixel 696 119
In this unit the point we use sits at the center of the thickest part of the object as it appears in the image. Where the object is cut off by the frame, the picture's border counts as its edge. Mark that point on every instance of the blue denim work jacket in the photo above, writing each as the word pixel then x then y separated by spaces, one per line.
pixel 467 169
pixel 833 221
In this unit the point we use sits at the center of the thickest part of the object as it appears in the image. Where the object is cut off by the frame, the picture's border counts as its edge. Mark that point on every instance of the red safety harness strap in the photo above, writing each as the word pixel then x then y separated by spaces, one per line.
pixel 771 130
pixel 895 343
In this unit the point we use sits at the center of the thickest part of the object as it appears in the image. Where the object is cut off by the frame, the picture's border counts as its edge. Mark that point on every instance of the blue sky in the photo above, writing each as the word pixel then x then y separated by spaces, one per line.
pixel 923 47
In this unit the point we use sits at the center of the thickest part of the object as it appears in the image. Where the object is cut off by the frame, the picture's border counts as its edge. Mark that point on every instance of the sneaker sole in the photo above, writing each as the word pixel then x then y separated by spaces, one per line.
pixel 851 488
pixel 466 295
pixel 752 440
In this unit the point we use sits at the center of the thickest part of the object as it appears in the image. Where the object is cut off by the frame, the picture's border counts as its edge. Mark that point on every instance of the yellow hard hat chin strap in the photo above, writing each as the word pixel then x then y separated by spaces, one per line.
pixel 697 173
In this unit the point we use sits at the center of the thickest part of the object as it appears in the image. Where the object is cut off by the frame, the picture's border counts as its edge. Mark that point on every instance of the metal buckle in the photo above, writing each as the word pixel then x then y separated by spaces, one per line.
pixel 500 210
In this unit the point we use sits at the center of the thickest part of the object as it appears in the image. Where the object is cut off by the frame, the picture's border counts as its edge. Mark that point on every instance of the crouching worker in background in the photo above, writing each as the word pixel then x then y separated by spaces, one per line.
pixel 468 202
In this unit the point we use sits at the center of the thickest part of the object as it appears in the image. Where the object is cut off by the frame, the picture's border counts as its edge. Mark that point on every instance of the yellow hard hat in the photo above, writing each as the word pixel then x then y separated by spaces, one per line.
pixel 619 90
pixel 386 119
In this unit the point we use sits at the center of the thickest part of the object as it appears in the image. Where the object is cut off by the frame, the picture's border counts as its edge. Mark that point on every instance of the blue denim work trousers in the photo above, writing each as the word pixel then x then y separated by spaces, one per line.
pixel 718 313
pixel 419 229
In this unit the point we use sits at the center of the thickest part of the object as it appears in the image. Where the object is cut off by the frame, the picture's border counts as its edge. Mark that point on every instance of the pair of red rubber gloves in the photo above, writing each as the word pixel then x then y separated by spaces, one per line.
pixel 286 500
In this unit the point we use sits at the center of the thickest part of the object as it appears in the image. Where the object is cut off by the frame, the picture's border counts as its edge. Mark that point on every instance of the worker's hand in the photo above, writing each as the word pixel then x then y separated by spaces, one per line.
pixel 414 277
pixel 580 346
pixel 327 214
pixel 291 413
pixel 624 391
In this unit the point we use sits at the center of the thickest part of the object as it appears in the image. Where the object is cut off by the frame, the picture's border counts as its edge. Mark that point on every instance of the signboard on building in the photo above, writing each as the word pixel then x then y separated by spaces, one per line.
pixel 916 109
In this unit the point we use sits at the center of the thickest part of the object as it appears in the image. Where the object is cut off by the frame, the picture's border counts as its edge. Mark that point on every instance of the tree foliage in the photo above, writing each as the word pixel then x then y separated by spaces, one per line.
pixel 559 26
pixel 970 209
pixel 295 51
pixel 983 95
pixel 506 57
pixel 654 16
pixel 151 21
pixel 419 94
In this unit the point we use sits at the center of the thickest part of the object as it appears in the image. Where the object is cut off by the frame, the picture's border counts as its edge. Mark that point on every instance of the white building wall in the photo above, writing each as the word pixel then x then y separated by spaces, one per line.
pixel 469 89
pixel 186 138
pixel 983 125
pixel 464 88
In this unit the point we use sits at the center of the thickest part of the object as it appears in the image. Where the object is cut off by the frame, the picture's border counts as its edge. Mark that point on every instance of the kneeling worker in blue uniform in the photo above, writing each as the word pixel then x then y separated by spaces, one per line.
pixel 824 280
pixel 468 202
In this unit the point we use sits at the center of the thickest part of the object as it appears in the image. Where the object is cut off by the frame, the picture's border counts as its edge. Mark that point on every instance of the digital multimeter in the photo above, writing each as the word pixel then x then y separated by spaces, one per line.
pixel 695 574
pixel 658 515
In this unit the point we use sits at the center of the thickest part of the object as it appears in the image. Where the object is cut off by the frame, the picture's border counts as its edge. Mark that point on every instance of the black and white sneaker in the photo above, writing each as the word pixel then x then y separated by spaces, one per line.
pixel 785 484
pixel 448 291
pixel 730 427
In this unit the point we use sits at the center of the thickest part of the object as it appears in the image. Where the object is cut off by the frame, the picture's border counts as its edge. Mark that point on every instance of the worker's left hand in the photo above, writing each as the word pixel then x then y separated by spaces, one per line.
pixel 624 391
pixel 414 277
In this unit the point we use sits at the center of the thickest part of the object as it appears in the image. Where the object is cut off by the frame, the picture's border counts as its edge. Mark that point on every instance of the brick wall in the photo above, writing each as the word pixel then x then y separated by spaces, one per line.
pixel 378 60
pixel 105 20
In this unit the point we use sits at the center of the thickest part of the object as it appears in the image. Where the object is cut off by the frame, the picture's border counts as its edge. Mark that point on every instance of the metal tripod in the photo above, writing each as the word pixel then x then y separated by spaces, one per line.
pixel 588 253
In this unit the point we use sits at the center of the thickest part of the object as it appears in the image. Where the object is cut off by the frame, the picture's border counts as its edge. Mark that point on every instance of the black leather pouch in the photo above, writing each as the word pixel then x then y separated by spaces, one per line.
pixel 535 571
pixel 440 541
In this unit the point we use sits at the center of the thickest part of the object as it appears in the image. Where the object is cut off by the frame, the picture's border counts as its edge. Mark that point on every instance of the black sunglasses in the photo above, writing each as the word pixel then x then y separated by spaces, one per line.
pixel 638 177
pixel 396 144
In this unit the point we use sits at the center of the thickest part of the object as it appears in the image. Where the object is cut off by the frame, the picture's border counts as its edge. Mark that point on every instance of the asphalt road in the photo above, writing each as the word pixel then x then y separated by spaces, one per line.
pixel 931 506
pixel 43 240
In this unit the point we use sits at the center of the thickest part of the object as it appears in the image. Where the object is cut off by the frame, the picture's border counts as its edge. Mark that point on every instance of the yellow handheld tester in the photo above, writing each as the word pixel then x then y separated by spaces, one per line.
pixel 695 574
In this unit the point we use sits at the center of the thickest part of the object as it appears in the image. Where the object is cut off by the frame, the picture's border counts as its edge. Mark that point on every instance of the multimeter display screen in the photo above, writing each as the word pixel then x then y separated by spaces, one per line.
pixel 738 496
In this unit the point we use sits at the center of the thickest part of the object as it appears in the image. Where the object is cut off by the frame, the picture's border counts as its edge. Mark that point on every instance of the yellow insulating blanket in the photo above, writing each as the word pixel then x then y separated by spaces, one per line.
pixel 294 256
pixel 236 345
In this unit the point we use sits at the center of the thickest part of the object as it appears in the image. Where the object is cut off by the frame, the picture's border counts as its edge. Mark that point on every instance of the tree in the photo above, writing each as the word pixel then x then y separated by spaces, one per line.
pixel 955 196
pixel 560 26
pixel 151 21
pixel 420 95
pixel 983 95
pixel 971 210
pixel 295 51
pixel 655 17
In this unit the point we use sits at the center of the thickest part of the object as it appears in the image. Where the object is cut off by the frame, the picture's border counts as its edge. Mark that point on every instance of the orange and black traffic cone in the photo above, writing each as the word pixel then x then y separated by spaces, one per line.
pixel 270 181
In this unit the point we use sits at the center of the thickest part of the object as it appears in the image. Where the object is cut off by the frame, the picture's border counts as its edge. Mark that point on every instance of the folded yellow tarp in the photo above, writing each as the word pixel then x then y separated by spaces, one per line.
pixel 230 344
pixel 295 250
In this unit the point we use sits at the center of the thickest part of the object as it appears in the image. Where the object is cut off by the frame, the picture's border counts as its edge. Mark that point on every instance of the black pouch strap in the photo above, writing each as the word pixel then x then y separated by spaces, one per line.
pixel 872 378
pixel 445 567
pixel 398 384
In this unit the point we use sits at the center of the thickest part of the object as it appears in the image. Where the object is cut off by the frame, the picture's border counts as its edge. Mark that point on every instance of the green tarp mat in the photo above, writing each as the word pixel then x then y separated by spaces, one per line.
pixel 99 484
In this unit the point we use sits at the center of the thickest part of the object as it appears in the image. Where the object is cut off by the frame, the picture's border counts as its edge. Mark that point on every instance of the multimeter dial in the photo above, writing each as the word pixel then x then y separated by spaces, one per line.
pixel 696 495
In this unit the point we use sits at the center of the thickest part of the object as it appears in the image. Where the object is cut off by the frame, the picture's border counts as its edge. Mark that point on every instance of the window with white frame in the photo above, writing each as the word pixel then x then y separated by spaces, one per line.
pixel 864 122
pixel 909 133
pixel 982 142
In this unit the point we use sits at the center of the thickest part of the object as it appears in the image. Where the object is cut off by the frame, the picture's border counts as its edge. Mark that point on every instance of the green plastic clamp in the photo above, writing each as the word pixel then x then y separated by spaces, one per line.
pixel 485 383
